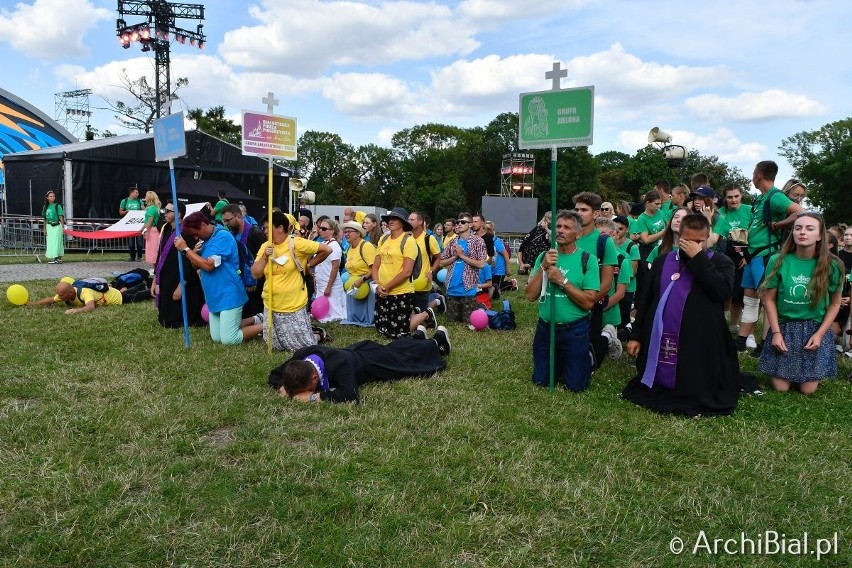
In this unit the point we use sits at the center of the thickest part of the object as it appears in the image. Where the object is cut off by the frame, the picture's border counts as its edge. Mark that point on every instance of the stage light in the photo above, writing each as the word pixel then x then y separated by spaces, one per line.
pixel 134 36
pixel 192 42
pixel 145 34
pixel 200 45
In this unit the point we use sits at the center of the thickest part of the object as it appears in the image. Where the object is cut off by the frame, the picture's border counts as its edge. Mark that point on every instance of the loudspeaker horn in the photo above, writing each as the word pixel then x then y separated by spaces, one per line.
pixel 298 184
pixel 307 197
pixel 657 135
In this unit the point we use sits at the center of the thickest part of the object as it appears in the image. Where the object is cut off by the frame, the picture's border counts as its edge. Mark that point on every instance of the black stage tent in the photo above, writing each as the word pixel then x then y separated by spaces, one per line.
pixel 200 190
pixel 91 178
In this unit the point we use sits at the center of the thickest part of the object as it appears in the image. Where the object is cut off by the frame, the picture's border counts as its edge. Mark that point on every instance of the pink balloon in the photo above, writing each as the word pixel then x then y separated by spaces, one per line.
pixel 320 307
pixel 479 320
pixel 205 313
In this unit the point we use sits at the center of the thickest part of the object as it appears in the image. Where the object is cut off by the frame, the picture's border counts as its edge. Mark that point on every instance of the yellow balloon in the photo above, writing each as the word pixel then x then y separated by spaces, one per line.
pixel 421 284
pixel 362 292
pixel 17 295
pixel 349 283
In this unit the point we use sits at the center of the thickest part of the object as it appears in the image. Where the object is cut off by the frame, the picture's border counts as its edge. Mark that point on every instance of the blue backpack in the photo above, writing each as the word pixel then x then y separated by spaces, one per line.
pixel 246 262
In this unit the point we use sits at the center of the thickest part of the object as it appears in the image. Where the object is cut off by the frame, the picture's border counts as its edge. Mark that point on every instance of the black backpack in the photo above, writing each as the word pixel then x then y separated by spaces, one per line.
pixel 96 284
pixel 503 320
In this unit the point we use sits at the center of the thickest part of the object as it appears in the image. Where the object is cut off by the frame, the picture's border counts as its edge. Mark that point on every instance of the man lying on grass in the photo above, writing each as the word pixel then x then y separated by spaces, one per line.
pixel 86 294
pixel 324 373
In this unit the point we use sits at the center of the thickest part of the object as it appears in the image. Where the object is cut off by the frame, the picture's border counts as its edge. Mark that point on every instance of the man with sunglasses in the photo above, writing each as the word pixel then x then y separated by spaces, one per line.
pixel 463 256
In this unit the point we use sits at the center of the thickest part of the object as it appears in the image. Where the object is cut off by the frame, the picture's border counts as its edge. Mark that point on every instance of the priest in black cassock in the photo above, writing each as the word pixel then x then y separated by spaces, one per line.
pixel 318 373
pixel 686 359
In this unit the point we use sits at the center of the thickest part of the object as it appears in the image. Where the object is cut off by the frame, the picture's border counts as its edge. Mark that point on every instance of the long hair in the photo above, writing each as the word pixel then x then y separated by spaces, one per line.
pixel 818 285
pixel 376 232
pixel 667 242
pixel 47 202
pixel 151 198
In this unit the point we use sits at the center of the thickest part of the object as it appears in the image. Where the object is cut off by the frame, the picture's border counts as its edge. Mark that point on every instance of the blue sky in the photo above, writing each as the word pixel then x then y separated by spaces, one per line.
pixel 727 78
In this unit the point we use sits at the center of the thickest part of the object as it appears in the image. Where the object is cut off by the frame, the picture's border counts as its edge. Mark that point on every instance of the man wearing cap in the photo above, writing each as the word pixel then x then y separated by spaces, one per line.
pixel 463 256
pixel 396 253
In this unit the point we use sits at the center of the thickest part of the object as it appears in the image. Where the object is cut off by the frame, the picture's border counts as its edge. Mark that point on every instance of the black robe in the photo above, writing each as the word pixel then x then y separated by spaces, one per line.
pixel 367 362
pixel 707 376
pixel 170 313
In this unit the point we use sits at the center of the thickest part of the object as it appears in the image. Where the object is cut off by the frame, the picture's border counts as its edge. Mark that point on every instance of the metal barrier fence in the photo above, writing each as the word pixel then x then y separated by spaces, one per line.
pixel 22 235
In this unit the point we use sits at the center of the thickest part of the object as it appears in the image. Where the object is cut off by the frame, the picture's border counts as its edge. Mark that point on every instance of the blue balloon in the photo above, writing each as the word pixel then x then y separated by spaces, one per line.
pixel 442 275
pixel 344 276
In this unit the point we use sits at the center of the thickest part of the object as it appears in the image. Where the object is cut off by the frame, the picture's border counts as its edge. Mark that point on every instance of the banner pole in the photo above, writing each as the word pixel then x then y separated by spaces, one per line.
pixel 552 370
pixel 268 283
pixel 180 261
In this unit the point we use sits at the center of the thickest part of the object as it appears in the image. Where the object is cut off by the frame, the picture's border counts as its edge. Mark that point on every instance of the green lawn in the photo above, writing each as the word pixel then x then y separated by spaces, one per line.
pixel 119 447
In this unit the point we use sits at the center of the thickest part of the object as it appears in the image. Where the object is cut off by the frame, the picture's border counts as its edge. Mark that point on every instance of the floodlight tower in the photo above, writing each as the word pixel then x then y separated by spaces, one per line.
pixel 154 33
pixel 72 110
pixel 517 175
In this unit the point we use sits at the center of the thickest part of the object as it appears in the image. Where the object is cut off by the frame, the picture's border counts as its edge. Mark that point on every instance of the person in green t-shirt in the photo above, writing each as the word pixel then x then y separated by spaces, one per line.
pixel 132 203
pixel 651 224
pixel 54 221
pixel 739 219
pixel 604 338
pixel 762 241
pixel 630 250
pixel 220 205
pixel 567 288
pixel 621 278
pixel 801 295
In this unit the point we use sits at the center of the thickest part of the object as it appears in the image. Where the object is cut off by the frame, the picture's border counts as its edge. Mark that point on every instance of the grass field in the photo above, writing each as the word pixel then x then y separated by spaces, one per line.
pixel 119 447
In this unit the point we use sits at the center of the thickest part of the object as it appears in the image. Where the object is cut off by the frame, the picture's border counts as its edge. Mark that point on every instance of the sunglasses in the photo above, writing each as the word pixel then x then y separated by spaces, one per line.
pixel 325 228
pixel 606 209
pixel 462 222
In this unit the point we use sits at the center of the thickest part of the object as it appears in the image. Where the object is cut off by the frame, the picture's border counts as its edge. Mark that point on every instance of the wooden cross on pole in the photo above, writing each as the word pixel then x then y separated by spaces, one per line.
pixel 270 101
pixel 556 75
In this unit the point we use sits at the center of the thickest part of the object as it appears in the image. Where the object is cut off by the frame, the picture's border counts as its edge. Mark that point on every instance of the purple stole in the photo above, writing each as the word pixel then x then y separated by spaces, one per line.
pixel 245 233
pixel 170 242
pixel 319 365
pixel 664 344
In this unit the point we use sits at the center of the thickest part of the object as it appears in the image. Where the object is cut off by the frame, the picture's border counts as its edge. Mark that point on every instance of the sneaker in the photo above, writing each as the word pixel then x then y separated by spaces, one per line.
pixel 420 333
pixel 442 338
pixel 131 259
pixel 751 342
pixel 514 282
pixel 442 304
pixel 322 334
pixel 431 322
pixel 615 348
pixel 848 354
pixel 757 350
pixel 741 343
pixel 58 261
pixel 54 261
pixel 838 348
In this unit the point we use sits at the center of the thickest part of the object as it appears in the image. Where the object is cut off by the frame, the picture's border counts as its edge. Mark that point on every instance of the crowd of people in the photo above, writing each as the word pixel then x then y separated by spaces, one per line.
pixel 655 280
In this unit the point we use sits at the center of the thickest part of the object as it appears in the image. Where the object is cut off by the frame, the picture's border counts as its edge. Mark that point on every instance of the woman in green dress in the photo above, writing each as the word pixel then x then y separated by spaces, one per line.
pixel 54 221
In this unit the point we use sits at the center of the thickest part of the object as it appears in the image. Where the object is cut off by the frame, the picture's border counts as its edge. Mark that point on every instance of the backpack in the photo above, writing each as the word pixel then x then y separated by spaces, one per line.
pixel 246 262
pixel 131 278
pixel 503 320
pixel 418 261
pixel 96 284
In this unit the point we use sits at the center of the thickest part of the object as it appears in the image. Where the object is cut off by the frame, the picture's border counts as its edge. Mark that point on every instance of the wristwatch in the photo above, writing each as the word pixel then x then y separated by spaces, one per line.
pixel 314 397
pixel 186 250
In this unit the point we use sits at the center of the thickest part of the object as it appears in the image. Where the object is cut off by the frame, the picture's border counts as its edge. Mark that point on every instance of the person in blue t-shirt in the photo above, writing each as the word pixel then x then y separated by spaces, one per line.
pixel 219 262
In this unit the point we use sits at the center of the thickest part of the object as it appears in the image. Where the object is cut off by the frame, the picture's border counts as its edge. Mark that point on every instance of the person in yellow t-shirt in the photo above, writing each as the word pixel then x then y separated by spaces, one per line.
pixel 285 293
pixel 392 274
pixel 359 265
pixel 88 298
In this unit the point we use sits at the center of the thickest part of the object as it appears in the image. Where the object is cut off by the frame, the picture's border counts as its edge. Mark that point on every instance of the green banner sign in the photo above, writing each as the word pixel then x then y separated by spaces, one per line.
pixel 556 118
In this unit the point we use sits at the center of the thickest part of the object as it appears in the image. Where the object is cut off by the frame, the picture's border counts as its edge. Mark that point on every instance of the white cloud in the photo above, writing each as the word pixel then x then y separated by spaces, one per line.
pixel 305 37
pixel 621 76
pixel 368 94
pixel 754 107
pixel 512 9
pixel 50 29
pixel 491 76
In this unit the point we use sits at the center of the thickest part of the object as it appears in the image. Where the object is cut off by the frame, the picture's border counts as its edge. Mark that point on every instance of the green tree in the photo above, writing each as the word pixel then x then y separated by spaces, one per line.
pixel 719 173
pixel 330 166
pixel 822 159
pixel 378 175
pixel 213 122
